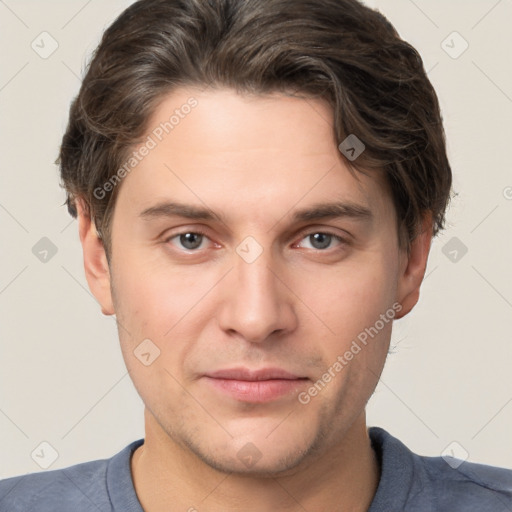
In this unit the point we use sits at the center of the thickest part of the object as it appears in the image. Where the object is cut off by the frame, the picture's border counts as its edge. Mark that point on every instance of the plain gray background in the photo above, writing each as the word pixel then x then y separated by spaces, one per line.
pixel 447 387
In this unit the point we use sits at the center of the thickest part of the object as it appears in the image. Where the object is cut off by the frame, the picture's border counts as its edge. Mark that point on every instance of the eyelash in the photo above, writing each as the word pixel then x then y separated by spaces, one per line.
pixel 338 238
pixel 196 231
pixel 199 231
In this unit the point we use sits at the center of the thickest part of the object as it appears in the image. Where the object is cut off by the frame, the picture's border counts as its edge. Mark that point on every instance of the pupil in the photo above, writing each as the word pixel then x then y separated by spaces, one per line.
pixel 320 240
pixel 191 240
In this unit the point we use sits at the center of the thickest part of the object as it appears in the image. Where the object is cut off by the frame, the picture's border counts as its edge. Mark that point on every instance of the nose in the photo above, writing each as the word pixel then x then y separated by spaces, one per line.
pixel 257 303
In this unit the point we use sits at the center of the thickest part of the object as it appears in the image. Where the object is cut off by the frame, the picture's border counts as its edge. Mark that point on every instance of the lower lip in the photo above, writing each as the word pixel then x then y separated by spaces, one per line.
pixel 256 391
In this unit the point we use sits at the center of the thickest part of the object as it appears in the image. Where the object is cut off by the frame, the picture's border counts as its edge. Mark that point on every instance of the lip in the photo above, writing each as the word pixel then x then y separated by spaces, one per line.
pixel 252 375
pixel 255 386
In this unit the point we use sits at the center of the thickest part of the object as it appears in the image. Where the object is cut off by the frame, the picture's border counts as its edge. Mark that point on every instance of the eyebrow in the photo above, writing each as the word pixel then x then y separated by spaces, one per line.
pixel 172 209
pixel 317 211
pixel 334 210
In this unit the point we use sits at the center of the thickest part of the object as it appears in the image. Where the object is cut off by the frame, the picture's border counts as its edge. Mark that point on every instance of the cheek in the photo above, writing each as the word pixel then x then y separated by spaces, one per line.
pixel 169 305
pixel 356 305
pixel 154 297
pixel 153 303
pixel 353 296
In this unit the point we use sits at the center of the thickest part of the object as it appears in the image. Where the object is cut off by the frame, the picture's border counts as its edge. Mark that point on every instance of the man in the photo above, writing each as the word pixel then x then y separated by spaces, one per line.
pixel 257 185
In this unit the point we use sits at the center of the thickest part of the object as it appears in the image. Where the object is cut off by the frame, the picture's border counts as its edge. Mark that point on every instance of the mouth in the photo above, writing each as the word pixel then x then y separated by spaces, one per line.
pixel 255 386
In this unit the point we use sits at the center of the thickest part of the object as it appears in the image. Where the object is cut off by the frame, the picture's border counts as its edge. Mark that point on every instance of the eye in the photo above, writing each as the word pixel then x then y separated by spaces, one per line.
pixel 190 240
pixel 321 241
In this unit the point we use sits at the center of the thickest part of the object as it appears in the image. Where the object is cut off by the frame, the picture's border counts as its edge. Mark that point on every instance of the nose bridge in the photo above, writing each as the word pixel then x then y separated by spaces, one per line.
pixel 256 304
pixel 255 278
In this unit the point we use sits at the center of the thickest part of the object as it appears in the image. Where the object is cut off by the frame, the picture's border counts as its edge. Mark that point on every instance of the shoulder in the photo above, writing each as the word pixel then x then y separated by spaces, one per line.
pixel 79 487
pixel 419 483
pixel 463 485
pixel 89 486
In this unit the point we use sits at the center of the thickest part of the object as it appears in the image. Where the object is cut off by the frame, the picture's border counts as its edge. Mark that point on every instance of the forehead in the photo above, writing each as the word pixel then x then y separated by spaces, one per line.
pixel 254 154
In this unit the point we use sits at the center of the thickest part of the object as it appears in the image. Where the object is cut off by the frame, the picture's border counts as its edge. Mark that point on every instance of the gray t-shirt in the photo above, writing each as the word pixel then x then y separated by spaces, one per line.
pixel 408 482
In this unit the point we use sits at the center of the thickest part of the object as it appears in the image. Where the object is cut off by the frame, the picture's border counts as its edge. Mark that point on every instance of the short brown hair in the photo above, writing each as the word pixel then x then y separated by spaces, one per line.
pixel 338 50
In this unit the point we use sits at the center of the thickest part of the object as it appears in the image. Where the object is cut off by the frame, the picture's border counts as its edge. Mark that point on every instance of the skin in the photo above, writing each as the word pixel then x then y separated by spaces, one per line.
pixel 255 160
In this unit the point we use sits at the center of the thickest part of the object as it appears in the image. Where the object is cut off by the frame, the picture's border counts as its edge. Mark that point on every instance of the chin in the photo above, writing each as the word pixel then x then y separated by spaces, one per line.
pixel 259 454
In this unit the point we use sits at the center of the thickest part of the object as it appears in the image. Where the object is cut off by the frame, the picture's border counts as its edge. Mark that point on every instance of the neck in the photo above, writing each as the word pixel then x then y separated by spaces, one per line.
pixel 344 478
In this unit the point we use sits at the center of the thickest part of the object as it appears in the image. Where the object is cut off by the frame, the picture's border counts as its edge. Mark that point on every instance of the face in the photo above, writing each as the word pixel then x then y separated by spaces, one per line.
pixel 252 259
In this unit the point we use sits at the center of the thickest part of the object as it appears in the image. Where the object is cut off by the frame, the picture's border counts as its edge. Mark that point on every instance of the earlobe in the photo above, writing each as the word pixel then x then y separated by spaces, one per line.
pixel 96 267
pixel 412 268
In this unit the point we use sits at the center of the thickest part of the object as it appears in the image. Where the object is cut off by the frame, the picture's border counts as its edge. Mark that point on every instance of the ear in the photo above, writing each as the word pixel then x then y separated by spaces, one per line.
pixel 412 268
pixel 96 267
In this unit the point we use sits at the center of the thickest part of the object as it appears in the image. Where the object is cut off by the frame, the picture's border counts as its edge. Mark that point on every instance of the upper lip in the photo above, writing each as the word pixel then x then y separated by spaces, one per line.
pixel 252 375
